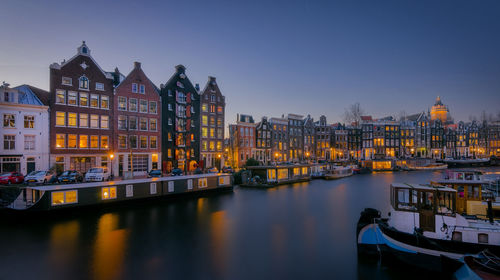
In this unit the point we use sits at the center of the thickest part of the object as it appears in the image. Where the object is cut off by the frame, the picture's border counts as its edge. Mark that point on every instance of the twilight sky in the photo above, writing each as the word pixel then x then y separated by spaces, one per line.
pixel 277 57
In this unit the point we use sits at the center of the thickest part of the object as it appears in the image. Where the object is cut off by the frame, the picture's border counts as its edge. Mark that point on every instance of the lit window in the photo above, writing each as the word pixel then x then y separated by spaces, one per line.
pixel 72 119
pixel 67 81
pixel 104 142
pixel 144 142
pixel 152 124
pixel 64 197
pixel 122 103
pixel 72 98
pixel 29 121
pixel 84 99
pixel 94 141
pixel 84 82
pixel 143 124
pixel 152 107
pixel 212 146
pixel 108 193
pixel 122 141
pixel 60 141
pixel 9 120
pixel 104 102
pixel 84 141
pixel 153 142
pixel 72 141
pixel 204 132
pixel 60 119
pixel 60 96
pixel 94 101
pixel 133 104
pixel 204 145
pixel 84 120
pixel 220 109
pixel 204 107
pixel 204 120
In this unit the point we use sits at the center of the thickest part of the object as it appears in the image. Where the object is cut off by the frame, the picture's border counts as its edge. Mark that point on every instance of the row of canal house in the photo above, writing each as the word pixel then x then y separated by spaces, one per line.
pixel 91 117
pixel 293 138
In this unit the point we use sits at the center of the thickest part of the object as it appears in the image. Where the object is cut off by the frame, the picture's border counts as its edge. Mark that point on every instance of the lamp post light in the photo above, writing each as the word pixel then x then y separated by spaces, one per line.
pixel 276 158
pixel 111 156
pixel 220 161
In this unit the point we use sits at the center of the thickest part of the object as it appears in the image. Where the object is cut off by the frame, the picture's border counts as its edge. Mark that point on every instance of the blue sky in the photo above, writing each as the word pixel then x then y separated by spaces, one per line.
pixel 277 57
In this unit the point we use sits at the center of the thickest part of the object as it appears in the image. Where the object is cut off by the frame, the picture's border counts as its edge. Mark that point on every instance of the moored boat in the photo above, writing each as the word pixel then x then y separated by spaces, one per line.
pixel 423 227
pixel 270 176
pixel 58 197
pixel 337 172
pixel 482 266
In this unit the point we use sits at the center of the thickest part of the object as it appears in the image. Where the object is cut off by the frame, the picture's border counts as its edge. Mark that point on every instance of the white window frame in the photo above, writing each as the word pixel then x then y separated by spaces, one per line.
pixel 99 86
pixel 152 188
pixel 129 190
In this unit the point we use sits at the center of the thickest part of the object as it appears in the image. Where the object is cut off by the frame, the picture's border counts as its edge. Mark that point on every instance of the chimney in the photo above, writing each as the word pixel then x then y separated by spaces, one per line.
pixel 180 68
pixel 137 65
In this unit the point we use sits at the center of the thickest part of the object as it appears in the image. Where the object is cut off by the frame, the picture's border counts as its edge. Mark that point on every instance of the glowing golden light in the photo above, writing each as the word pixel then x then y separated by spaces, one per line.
pixel 111 156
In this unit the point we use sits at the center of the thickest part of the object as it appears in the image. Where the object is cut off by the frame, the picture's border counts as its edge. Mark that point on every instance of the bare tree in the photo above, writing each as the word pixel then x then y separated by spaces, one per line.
pixel 353 113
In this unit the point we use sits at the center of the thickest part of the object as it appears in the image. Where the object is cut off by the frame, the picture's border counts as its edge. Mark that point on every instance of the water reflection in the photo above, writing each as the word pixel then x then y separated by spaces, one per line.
pixel 109 248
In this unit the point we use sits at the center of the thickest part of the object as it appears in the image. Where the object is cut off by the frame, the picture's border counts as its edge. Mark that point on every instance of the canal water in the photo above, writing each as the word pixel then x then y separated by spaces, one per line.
pixel 299 231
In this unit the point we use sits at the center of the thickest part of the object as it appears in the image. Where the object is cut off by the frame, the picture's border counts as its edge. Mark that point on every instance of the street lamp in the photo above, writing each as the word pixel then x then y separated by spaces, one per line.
pixel 111 156
pixel 220 161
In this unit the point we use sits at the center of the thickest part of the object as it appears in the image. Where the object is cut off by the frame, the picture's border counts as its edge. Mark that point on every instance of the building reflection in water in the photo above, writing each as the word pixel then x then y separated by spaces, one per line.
pixel 109 248
pixel 64 251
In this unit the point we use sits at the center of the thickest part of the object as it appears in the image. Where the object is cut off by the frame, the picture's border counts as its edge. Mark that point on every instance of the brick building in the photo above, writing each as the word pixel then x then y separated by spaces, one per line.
pixel 213 105
pixel 137 123
pixel 81 108
pixel 180 125
pixel 263 142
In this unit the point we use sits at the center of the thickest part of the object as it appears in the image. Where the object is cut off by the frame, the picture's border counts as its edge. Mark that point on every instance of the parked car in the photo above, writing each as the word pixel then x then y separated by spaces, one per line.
pixel 154 173
pixel 177 172
pixel 213 170
pixel 11 178
pixel 198 171
pixel 70 176
pixel 227 169
pixel 40 177
pixel 97 174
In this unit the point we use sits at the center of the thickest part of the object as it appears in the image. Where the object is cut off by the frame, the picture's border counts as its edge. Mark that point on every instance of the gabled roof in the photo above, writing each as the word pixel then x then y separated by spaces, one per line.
pixel 180 73
pixel 32 95
pixel 82 50
pixel 137 67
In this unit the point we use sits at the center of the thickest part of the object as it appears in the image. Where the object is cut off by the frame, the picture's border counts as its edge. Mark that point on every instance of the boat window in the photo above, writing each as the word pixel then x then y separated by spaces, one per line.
pixel 202 183
pixel 304 171
pixel 108 193
pixel 427 200
pixel 456 236
pixel 296 171
pixel 271 174
pixel 152 188
pixel 473 192
pixel 482 238
pixel 282 173
pixel 406 199
pixel 460 191
pixel 445 202
pixel 64 197
pixel 129 190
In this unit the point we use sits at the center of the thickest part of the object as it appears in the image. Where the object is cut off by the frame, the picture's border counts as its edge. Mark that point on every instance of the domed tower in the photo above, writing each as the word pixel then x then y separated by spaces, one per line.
pixel 439 111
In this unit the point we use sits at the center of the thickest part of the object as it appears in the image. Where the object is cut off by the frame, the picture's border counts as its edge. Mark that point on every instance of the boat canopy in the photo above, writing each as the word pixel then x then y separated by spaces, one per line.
pixel 423 198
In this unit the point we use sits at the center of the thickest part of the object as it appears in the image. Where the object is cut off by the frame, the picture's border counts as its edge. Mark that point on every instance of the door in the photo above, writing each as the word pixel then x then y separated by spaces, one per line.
pixel 461 199
pixel 30 166
pixel 120 165
pixel 427 220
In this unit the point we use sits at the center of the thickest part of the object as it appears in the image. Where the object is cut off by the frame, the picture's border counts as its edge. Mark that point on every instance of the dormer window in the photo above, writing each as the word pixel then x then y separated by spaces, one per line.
pixel 84 82
pixel 84 50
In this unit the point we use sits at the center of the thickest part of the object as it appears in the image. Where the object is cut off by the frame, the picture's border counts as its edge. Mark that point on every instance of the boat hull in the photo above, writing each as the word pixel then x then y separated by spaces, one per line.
pixel 378 239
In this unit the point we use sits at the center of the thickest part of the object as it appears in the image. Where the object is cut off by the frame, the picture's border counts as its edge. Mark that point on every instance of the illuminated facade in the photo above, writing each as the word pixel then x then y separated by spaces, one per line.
pixel 439 111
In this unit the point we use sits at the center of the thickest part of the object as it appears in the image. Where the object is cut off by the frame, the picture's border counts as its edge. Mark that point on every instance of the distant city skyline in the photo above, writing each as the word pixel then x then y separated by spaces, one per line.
pixel 277 58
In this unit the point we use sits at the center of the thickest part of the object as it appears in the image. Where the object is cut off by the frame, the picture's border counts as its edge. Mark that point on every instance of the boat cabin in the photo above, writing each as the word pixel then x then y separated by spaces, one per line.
pixel 469 186
pixel 425 200
pixel 279 174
